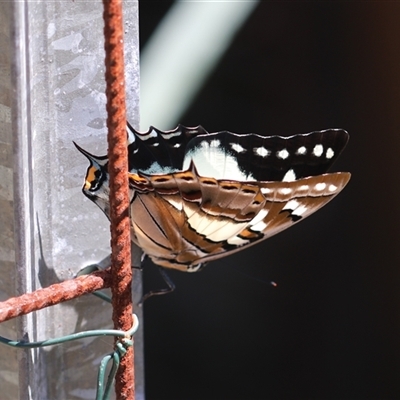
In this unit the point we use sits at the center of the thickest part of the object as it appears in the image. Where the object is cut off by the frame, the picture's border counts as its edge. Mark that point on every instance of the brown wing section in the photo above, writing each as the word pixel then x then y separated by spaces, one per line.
pixel 182 220
pixel 286 204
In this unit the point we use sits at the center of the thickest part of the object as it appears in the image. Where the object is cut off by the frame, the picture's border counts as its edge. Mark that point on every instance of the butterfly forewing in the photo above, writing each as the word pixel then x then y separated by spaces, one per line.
pixel 265 158
pixel 156 152
pixel 227 155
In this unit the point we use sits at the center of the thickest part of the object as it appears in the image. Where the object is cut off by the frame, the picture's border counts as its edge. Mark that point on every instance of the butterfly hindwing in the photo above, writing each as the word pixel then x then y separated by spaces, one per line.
pixel 202 219
pixel 285 204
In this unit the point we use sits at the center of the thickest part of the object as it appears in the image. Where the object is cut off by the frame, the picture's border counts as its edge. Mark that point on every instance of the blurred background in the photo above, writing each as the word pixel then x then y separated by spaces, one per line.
pixel 330 329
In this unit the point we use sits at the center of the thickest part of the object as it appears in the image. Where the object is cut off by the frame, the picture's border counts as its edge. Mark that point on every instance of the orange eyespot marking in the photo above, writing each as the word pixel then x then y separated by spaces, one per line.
pixel 90 177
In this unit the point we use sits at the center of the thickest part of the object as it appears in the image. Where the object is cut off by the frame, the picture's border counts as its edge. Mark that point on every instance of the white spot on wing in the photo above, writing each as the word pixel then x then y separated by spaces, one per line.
pixel 214 229
pixel 156 168
pixel 265 190
pixel 282 154
pixel 259 227
pixel 188 211
pixel 318 150
pixel 301 150
pixel 194 268
pixel 261 151
pixel 285 190
pixel 155 144
pixel 175 204
pixel 151 134
pixel 320 186
pixel 176 145
pixel 291 205
pixel 299 211
pixel 332 188
pixel 237 241
pixel 304 187
pixel 237 147
pixel 219 231
pixel 259 217
pixel 289 176
pixel 329 153
pixel 170 134
pixel 211 160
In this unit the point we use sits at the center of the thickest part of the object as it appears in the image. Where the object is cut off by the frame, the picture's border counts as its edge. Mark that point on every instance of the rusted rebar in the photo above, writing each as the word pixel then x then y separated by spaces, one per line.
pixel 119 190
pixel 54 294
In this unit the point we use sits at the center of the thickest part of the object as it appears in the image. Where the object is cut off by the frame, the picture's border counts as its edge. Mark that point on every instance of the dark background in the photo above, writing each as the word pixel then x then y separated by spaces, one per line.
pixel 331 328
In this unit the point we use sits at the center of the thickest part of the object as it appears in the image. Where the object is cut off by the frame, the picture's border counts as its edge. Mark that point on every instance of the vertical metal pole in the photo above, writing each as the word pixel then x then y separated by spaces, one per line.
pixel 121 268
pixel 56 62
pixel 23 223
pixel 8 356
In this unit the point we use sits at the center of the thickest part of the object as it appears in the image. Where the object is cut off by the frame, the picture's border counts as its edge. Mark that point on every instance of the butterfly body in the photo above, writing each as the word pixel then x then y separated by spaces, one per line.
pixel 197 197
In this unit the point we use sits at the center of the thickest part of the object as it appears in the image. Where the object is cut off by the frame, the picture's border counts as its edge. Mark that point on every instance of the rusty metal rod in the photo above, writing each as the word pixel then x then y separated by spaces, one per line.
pixel 119 190
pixel 54 294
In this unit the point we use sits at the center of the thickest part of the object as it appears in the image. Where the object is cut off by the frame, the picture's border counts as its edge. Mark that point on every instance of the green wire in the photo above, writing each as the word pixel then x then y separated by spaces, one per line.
pixel 73 336
pixel 104 390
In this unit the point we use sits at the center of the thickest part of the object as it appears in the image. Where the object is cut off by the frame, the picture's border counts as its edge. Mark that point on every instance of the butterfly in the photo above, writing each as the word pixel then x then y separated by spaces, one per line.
pixel 198 196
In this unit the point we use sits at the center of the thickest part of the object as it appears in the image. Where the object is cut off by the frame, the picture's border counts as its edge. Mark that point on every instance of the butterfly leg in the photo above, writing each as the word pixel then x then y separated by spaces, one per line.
pixel 143 258
pixel 169 289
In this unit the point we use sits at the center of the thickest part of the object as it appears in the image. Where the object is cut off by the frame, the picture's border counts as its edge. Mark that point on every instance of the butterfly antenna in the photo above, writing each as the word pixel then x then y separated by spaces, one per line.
pixel 169 289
